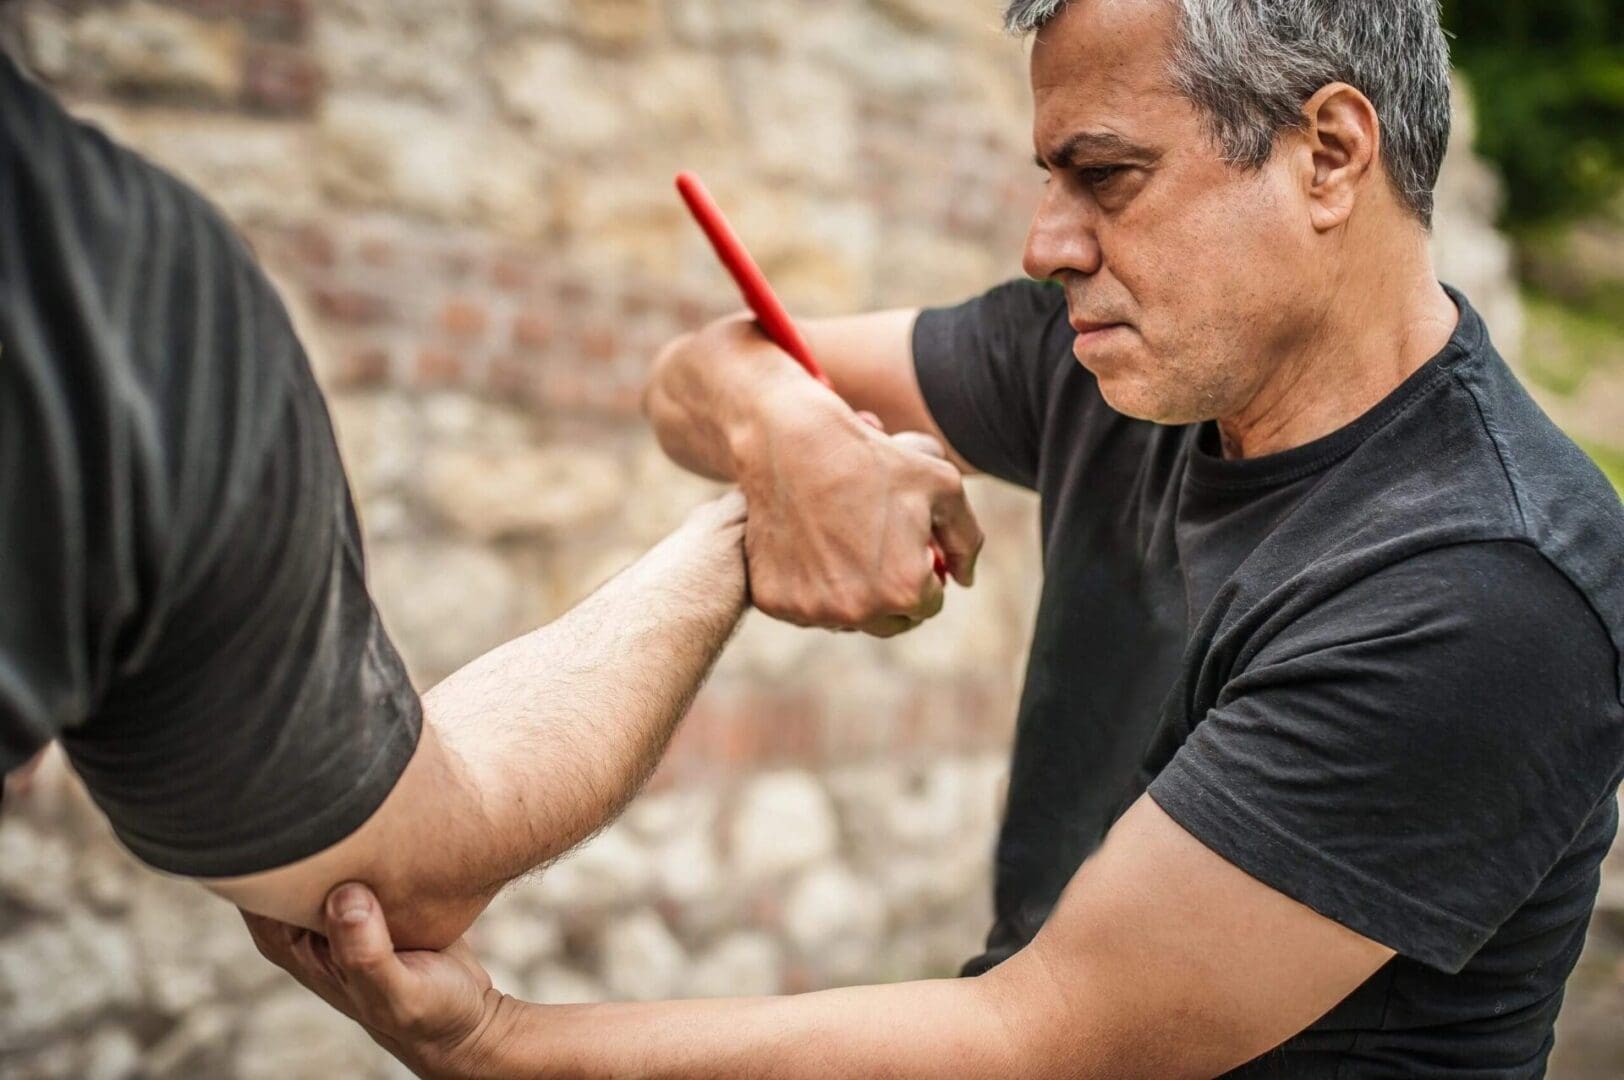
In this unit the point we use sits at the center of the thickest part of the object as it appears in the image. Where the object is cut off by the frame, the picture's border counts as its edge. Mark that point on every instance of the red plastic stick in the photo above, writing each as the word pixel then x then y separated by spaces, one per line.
pixel 758 294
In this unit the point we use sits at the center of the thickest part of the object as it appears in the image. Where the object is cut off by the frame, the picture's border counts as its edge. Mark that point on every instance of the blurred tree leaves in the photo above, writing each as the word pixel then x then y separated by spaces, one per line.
pixel 1548 78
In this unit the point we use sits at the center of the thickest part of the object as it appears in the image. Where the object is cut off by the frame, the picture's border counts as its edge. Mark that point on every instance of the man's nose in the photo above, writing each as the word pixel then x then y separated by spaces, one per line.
pixel 1062 237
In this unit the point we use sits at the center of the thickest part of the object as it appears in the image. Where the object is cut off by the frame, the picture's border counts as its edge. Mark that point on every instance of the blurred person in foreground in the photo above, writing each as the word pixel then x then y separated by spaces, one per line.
pixel 1325 685
pixel 182 594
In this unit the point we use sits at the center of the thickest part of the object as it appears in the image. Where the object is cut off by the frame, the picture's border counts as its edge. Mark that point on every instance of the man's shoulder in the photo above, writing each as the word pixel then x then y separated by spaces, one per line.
pixel 1469 485
pixel 1535 485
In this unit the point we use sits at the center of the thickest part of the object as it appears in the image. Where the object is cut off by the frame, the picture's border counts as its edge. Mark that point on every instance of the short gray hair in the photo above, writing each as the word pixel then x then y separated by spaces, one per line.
pixel 1251 65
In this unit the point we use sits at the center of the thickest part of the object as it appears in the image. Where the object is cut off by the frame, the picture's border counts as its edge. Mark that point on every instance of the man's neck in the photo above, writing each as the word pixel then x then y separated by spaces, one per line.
pixel 1373 335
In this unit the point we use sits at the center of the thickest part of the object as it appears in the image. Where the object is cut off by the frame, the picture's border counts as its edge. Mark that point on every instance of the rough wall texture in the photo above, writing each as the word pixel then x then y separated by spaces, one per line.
pixel 467 204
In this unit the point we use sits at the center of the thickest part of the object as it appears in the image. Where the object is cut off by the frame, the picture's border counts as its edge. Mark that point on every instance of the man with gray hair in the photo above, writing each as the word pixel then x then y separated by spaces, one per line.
pixel 1322 727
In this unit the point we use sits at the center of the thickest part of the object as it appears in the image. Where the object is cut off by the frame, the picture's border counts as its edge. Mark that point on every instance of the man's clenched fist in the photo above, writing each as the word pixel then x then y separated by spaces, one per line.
pixel 842 518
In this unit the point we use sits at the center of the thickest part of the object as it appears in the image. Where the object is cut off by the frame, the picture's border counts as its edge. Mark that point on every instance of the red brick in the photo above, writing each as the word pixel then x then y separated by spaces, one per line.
pixel 789 729
pixel 287 20
pixel 600 343
pixel 463 318
pixel 282 79
pixel 850 736
pixel 438 367
pixel 532 330
pixel 692 313
pixel 377 252
pixel 314 246
pixel 512 274
pixel 562 389
pixel 636 303
pixel 350 305
pixel 512 378
pixel 574 294
pixel 766 909
pixel 691 754
pixel 798 979
pixel 625 399
pixel 456 264
pixel 368 366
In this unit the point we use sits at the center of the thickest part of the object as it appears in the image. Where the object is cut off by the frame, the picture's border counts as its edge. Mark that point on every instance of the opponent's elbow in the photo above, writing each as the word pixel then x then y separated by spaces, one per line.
pixel 426 921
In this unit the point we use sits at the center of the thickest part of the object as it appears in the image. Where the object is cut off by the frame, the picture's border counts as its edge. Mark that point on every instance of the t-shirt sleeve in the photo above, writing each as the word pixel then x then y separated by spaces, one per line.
pixel 182 586
pixel 1413 756
pixel 985 368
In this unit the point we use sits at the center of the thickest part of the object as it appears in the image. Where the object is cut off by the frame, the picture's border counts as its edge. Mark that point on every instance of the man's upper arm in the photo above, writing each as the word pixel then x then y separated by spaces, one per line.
pixel 870 360
pixel 975 375
pixel 1163 960
pixel 1415 754
pixel 985 370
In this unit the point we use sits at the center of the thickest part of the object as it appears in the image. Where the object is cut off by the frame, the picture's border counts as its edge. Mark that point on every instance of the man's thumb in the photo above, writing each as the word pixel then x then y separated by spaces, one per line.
pixel 358 936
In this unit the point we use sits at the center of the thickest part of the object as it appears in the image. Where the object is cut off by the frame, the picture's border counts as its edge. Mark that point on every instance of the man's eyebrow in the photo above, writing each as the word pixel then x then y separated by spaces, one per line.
pixel 1093 145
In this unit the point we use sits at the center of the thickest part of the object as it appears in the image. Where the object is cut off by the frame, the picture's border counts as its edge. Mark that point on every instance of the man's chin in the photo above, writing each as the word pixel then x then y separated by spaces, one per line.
pixel 1137 401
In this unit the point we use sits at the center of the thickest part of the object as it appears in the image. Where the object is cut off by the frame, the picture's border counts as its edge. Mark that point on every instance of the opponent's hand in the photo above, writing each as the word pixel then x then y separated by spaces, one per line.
pixel 432 1010
pixel 842 517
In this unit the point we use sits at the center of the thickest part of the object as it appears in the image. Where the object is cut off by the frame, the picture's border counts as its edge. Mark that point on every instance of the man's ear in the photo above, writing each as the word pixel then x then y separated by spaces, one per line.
pixel 1342 136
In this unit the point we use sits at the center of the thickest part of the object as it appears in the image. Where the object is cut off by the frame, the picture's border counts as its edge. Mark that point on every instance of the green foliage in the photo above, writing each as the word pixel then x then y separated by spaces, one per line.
pixel 1548 78
pixel 1610 461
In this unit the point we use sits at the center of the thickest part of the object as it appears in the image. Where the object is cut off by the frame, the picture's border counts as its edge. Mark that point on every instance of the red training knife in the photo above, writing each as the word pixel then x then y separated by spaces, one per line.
pixel 759 295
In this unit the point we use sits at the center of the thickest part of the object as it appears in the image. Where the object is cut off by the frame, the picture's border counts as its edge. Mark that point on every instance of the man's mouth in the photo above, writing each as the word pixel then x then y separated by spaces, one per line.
pixel 1085 327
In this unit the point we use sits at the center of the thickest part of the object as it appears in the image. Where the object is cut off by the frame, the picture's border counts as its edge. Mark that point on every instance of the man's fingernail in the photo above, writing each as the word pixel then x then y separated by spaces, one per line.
pixel 350 904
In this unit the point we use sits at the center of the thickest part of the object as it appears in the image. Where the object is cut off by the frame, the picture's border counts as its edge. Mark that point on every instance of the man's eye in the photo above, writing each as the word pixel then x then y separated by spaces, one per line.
pixel 1100 175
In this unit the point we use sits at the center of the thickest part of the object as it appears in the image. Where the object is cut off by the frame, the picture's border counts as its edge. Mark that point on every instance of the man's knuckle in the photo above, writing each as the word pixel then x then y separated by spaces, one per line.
pixel 948 480
pixel 407 1013
pixel 851 606
pixel 903 594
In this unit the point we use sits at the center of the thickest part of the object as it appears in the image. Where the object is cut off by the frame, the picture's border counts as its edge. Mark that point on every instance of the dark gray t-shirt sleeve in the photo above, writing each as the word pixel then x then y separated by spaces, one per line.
pixel 985 368
pixel 182 594
pixel 1412 756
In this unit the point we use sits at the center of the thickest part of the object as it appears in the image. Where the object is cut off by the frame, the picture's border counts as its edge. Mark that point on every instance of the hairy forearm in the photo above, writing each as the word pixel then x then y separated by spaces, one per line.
pixel 558 729
pixel 534 746
pixel 554 732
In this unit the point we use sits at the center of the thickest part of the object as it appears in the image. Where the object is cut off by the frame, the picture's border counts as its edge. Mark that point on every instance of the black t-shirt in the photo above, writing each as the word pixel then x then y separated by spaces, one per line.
pixel 182 599
pixel 1381 673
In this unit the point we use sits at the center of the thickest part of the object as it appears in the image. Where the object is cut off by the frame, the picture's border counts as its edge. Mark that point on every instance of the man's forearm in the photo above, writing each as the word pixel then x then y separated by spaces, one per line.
pixel 960 1029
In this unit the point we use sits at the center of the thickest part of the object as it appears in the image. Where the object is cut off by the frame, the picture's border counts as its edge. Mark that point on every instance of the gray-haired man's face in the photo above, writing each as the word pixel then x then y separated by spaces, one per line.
pixel 1188 279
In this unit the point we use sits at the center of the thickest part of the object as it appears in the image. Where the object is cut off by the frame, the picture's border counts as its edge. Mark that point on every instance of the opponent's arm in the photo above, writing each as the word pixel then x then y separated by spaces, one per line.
pixel 534 746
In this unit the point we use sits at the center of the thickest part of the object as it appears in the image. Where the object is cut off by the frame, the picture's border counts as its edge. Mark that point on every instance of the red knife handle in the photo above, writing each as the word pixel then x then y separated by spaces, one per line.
pixel 763 302
pixel 752 283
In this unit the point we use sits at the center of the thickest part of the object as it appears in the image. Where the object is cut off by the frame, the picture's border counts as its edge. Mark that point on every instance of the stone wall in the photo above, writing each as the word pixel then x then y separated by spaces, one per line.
pixel 467 205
